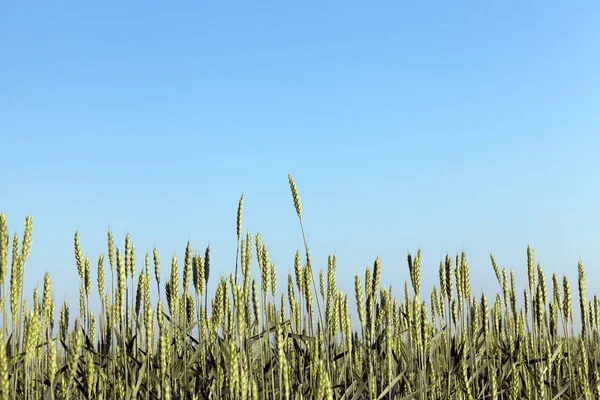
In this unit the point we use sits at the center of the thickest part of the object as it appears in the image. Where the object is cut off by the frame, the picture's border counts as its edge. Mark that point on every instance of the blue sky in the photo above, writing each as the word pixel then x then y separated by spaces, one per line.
pixel 442 126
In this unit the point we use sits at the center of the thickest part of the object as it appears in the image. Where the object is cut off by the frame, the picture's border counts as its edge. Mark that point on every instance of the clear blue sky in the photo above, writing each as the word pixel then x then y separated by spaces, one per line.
pixel 443 126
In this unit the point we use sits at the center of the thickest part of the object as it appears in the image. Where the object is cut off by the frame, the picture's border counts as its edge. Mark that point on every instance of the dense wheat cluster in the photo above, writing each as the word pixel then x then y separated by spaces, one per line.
pixel 164 337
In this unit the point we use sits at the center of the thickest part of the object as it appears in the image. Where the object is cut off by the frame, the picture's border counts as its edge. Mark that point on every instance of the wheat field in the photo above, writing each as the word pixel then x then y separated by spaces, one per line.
pixel 161 335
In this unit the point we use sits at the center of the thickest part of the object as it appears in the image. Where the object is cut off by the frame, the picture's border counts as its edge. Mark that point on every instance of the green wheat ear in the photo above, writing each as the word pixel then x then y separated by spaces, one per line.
pixel 78 255
pixel 239 217
pixel 295 196
pixel 239 234
pixel 4 246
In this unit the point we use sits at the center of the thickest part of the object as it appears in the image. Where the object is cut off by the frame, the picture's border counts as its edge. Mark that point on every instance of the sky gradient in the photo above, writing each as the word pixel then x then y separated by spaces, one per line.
pixel 443 126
